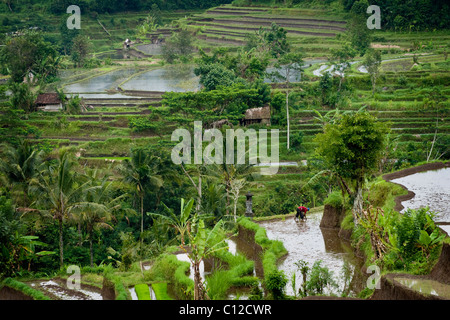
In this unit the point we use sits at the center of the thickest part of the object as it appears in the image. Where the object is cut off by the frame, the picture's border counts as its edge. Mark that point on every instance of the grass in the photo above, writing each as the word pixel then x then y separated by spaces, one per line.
pixel 142 291
pixel 272 249
pixel 167 268
pixel 160 289
pixel 25 289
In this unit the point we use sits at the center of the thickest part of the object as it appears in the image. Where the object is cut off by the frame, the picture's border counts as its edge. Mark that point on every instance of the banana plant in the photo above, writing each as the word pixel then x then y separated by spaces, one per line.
pixel 26 249
pixel 180 223
pixel 427 242
pixel 202 245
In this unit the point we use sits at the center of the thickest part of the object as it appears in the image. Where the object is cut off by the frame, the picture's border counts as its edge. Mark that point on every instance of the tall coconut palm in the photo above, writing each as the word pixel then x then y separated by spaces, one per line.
pixel 96 208
pixel 57 189
pixel 19 165
pixel 227 173
pixel 141 173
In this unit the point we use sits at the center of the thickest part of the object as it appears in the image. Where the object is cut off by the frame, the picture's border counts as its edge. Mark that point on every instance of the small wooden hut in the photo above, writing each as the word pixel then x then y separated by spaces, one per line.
pixel 256 115
pixel 49 102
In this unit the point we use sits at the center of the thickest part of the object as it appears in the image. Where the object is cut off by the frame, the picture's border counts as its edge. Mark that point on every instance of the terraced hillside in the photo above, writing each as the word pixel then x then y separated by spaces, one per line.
pixel 228 26
pixel 413 99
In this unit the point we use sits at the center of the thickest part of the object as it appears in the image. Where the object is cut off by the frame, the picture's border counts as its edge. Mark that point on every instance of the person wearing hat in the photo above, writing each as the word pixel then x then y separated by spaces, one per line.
pixel 301 212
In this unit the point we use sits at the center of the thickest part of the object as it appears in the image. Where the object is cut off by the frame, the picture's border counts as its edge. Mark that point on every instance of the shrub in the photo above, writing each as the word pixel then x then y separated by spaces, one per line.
pixel 320 278
pixel 335 199
pixel 416 241
pixel 275 282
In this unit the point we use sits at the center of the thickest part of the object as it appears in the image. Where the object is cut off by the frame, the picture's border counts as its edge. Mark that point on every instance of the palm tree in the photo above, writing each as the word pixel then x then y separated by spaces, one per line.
pixel 227 173
pixel 57 189
pixel 141 173
pixel 20 164
pixel 213 199
pixel 138 173
pixel 95 211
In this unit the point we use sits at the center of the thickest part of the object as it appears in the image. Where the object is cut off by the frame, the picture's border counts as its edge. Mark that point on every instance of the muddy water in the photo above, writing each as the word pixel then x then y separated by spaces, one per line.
pixel 432 189
pixel 307 241
pixel 58 290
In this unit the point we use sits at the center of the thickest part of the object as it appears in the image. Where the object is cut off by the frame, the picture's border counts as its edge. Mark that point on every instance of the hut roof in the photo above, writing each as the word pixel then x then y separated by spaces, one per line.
pixel 48 98
pixel 257 113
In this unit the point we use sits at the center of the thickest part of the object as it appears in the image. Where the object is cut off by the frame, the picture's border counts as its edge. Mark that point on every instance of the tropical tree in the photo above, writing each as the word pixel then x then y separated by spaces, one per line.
pixel 227 173
pixel 289 66
pixel 148 25
pixel 22 97
pixel 20 165
pixel 352 148
pixel 199 169
pixel 81 46
pixel 201 245
pixel 141 173
pixel 236 186
pixel 178 46
pixel 57 189
pixel 357 33
pixel 29 52
pixel 10 227
pixel 182 222
pixel 95 209
pixel 372 61
pixel 213 199
pixel 342 57
pixel 276 40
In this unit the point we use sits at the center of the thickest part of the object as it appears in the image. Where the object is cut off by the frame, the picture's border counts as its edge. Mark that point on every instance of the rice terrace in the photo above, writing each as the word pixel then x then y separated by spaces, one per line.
pixel 259 150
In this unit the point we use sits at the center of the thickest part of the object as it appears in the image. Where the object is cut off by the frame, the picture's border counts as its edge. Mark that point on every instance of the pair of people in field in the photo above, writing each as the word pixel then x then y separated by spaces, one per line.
pixel 301 213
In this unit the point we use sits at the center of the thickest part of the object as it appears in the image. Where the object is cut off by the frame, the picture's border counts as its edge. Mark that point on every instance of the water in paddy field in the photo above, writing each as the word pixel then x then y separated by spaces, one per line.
pixel 432 189
pixel 151 48
pixel 177 79
pixel 426 286
pixel 108 81
pixel 305 240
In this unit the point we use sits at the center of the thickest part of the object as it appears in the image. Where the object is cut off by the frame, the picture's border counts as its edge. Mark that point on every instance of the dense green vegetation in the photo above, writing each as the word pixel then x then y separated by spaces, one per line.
pixel 95 184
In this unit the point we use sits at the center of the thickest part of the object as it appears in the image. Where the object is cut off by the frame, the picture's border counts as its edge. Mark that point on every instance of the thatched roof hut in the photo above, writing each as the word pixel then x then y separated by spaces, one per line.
pixel 257 115
pixel 49 102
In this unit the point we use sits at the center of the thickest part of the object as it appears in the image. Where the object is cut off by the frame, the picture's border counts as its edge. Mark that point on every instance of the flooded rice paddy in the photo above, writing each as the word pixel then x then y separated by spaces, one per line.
pixel 150 48
pixel 306 241
pixel 58 290
pixel 177 79
pixel 426 286
pixel 432 189
pixel 101 83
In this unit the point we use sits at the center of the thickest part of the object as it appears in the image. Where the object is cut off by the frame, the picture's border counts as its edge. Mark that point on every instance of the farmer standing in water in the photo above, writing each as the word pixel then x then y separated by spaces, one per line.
pixel 301 212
